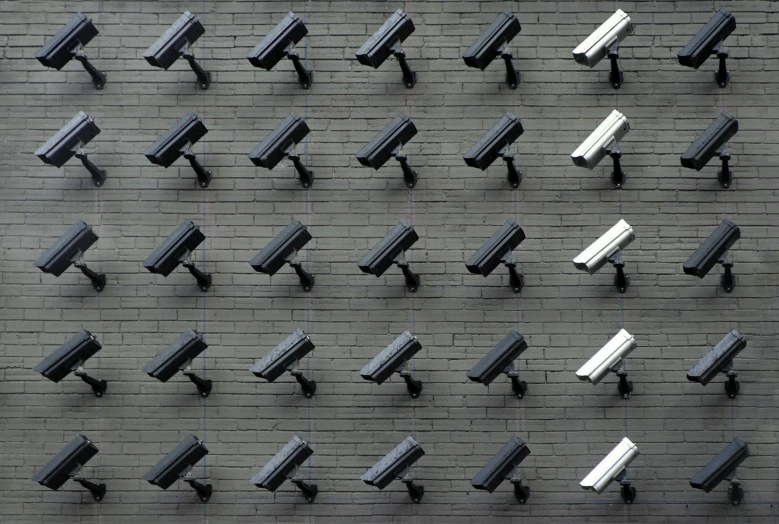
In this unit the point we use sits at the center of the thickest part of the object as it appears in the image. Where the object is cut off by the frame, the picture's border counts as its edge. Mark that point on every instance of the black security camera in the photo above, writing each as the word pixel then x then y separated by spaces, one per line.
pixel 283 250
pixel 67 464
pixel 501 360
pixel 278 44
pixel 285 357
pixel 68 43
pixel 284 465
pixel 496 144
pixel 69 249
pixel 720 360
pixel 708 41
pixel 497 250
pixel 723 467
pixel 397 464
pixel 176 250
pixel 178 357
pixel 394 358
pixel 175 42
pixel 503 466
pixel 388 143
pixel 713 142
pixel 391 250
pixel 69 358
pixel 714 251
pixel 67 143
pixel 493 43
pixel 178 141
pixel 280 143
pixel 387 41
pixel 178 464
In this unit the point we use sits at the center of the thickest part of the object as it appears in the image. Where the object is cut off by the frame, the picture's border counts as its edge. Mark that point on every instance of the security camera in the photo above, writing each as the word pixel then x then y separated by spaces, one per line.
pixel 604 41
pixel 278 44
pixel 68 43
pixel 178 357
pixel 503 466
pixel 714 251
pixel 501 360
pixel 497 250
pixel 178 464
pixel 388 143
pixel 67 464
pixel 723 467
pixel 281 143
pixel 176 250
pixel 608 248
pixel 394 358
pixel 720 360
pixel 284 465
pixel 613 468
pixel 496 144
pixel 708 41
pixel 178 141
pixel 283 250
pixel 70 249
pixel 285 357
pixel 69 358
pixel 712 142
pixel 610 357
pixel 605 141
pixel 493 43
pixel 391 250
pixel 397 464
pixel 68 142
pixel 175 42
pixel 387 41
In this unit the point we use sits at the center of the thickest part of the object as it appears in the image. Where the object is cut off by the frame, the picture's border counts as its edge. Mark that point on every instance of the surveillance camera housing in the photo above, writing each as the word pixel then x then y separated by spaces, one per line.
pixel 278 44
pixel 177 357
pixel 493 43
pixel 390 250
pixel 386 41
pixel 498 250
pixel 607 358
pixel 67 143
pixel 604 41
pixel 597 254
pixel 177 465
pixel 720 360
pixel 281 142
pixel 284 466
pixel 501 466
pixel 501 360
pixel 177 141
pixel 175 250
pixel 69 249
pixel 387 144
pixel 175 43
pixel 708 41
pixel 605 136
pixel 721 467
pixel 68 43
pixel 67 465
pixel 394 463
pixel 713 249
pixel 495 143
pixel 285 357
pixel 282 250
pixel 69 357
pixel 710 143
pixel 394 358
pixel 611 467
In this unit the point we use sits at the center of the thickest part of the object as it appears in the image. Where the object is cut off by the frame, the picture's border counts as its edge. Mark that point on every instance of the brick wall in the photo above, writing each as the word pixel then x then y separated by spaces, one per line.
pixel 565 315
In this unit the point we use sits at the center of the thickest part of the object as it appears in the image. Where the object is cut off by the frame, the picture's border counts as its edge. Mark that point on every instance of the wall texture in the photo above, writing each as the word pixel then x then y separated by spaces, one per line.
pixel 565 315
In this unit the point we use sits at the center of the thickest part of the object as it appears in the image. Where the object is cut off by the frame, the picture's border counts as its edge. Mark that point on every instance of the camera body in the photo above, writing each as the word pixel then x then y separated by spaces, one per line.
pixel 389 140
pixel 606 135
pixel 273 48
pixel 718 359
pixel 607 358
pixel 58 51
pixel 60 468
pixel 169 254
pixel 610 467
pixel 169 47
pixel 379 46
pixel 489 255
pixel 721 467
pixel 291 131
pixel 69 247
pixel 283 246
pixel 176 463
pixel 501 465
pixel 713 249
pixel 710 142
pixel 487 47
pixel 176 357
pixel 705 41
pixel 393 464
pixel 596 46
pixel 498 359
pixel 597 254
pixel 76 350
pixel 283 356
pixel 489 147
pixel 63 145
pixel 283 464
pixel 170 146
pixel 383 254
pixel 391 358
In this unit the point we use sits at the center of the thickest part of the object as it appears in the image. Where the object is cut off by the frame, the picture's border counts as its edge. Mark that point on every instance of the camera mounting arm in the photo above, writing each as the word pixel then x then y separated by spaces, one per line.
pixel 721 76
pixel 519 387
pixel 409 76
pixel 627 491
pixel 415 491
pixel 735 492
pixel 97 490
pixel 522 493
pixel 309 490
pixel 513 77
pixel 203 175
pixel 203 76
pixel 410 176
pixel 98 77
pixel 516 280
pixel 306 278
pixel 203 385
pixel 724 176
pixel 309 386
pixel 727 280
pixel 98 386
pixel 305 77
pixel 414 386
pixel 731 385
pixel 306 176
pixel 616 77
pixel 98 175
pixel 618 176
pixel 412 279
pixel 98 279
pixel 514 175
pixel 203 279
pixel 621 281
pixel 204 491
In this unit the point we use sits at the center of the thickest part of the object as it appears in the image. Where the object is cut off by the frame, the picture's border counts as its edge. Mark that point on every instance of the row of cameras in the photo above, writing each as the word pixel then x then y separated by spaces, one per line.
pixel 283 249
pixel 178 464
pixel 282 141
pixel 177 40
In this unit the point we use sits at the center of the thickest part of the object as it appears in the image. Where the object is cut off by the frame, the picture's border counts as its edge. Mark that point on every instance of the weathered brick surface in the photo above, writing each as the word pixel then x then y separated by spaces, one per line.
pixel 565 315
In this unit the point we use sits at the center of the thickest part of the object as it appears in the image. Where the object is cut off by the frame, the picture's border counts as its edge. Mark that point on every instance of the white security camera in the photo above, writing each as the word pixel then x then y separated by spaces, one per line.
pixel 610 358
pixel 613 468
pixel 604 141
pixel 608 248
pixel 605 41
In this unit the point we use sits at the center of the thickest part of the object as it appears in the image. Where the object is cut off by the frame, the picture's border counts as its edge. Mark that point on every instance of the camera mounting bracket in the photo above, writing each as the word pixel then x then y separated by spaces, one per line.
pixel 203 76
pixel 513 77
pixel 98 279
pixel 618 175
pixel 621 280
pixel 519 387
pixel 203 279
pixel 721 76
pixel 514 174
pixel 412 279
pixel 97 490
pixel 204 491
pixel 725 175
pixel 306 176
pixel 727 280
pixel 98 386
pixel 203 175
pixel 203 385
pixel 410 176
pixel 98 77
pixel 306 278
pixel 415 491
pixel 735 492
pixel 98 175
pixel 516 280
pixel 309 490
pixel 305 77
pixel 308 386
pixel 616 77
pixel 732 385
pixel 414 386
pixel 409 76
pixel 520 492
